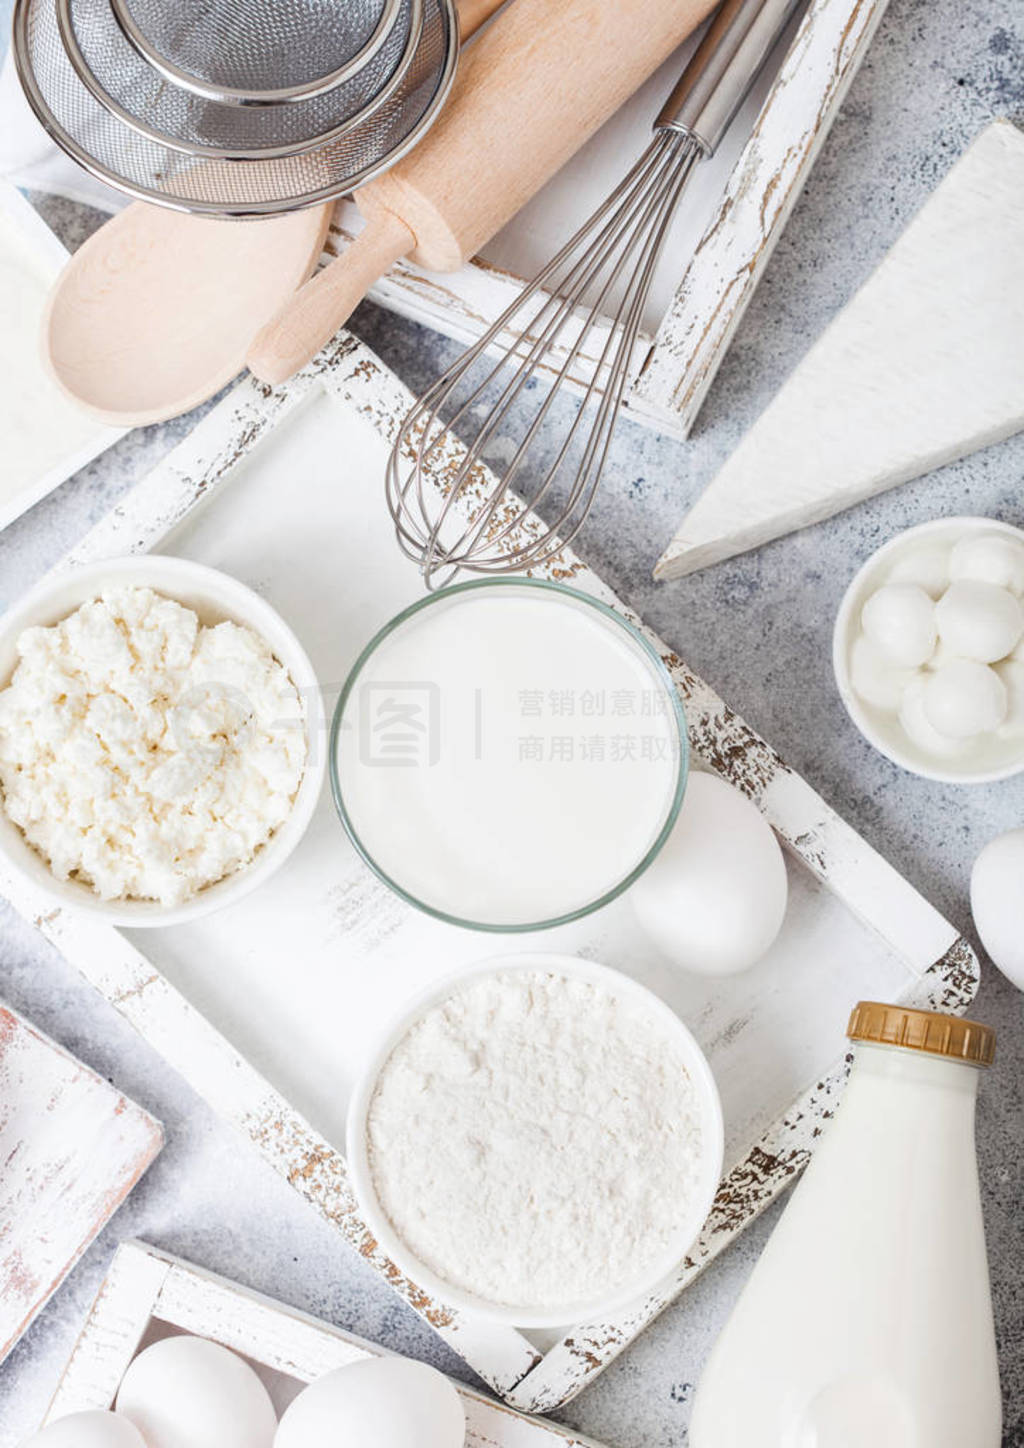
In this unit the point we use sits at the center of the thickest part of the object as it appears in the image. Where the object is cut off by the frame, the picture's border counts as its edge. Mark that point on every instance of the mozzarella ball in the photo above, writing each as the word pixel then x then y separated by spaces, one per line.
pixel 1011 671
pixel 714 898
pixel 376 1403
pixel 964 698
pixel 900 621
pixel 979 620
pixel 186 1392
pixel 88 1430
pixel 919 730
pixel 874 678
pixel 989 558
pixel 926 565
pixel 997 903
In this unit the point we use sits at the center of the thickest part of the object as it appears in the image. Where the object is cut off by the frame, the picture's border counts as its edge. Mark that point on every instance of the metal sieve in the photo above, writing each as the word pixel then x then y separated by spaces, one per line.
pixel 124 83
pixel 208 182
pixel 254 52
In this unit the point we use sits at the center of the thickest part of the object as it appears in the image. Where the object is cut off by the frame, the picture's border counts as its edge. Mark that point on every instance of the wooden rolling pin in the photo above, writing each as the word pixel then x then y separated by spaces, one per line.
pixel 530 91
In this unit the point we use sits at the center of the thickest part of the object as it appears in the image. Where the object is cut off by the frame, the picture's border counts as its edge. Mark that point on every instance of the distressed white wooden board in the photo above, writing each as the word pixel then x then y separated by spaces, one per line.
pixel 923 365
pixel 19 491
pixel 733 213
pixel 71 1149
pixel 284 490
pixel 148 1295
pixel 763 188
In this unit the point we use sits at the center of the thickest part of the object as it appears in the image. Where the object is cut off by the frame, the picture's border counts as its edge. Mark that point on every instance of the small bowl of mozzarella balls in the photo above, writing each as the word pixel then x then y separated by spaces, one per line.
pixel 928 650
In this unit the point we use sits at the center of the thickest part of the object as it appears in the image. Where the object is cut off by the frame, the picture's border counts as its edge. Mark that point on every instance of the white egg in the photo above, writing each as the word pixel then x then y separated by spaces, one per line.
pixel 964 698
pixel 94 1429
pixel 1011 671
pixel 926 565
pixel 900 621
pixel 979 620
pixel 989 558
pixel 186 1392
pixel 997 902
pixel 920 732
pixel 376 1403
pixel 713 900
pixel 874 678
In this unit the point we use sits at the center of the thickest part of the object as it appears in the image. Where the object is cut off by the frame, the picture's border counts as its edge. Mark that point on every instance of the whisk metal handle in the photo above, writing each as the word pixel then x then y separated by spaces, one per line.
pixel 724 67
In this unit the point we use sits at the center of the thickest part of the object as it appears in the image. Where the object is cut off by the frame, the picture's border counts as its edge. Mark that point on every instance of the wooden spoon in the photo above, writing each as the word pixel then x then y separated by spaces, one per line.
pixel 155 312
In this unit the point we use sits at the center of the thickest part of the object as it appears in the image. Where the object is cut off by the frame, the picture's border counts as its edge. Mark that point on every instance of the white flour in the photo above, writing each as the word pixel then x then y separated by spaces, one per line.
pixel 536 1140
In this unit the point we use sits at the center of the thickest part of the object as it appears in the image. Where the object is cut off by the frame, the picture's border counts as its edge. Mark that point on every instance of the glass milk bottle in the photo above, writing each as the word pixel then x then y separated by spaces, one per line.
pixel 867 1322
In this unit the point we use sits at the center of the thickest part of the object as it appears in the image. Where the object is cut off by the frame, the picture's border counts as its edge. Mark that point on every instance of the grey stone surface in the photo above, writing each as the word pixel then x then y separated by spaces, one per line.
pixel 757 628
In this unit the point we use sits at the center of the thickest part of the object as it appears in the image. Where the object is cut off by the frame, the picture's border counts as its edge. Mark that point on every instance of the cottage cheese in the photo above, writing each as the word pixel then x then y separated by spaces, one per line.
pixel 145 754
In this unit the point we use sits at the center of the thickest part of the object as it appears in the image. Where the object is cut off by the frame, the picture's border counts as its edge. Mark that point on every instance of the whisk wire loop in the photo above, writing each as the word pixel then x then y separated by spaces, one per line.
pixel 610 373
pixel 543 335
pixel 427 408
pixel 561 304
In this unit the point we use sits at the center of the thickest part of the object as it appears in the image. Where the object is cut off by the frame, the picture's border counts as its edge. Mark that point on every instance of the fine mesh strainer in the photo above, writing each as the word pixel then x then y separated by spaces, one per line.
pixel 209 179
pixel 256 51
pixel 124 83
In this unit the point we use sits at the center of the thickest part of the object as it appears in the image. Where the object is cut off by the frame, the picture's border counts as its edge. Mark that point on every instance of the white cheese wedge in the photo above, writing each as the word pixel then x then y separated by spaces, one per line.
pixel 924 365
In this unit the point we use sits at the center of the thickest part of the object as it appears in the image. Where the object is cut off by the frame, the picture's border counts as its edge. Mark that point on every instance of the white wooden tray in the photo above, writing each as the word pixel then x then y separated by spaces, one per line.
pixel 268 1007
pixel 148 1295
pixel 71 1149
pixel 732 215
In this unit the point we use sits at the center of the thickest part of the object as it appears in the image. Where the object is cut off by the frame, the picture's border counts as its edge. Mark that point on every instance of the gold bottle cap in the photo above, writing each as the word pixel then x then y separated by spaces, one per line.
pixel 931 1031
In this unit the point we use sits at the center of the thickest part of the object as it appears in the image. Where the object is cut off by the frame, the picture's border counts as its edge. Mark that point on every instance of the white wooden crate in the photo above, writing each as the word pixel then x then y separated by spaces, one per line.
pixel 148 1295
pixel 732 215
pixel 268 1007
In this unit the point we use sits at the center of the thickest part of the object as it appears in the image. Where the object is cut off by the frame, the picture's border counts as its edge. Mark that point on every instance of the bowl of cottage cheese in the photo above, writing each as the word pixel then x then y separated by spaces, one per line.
pixel 538 1140
pixel 160 739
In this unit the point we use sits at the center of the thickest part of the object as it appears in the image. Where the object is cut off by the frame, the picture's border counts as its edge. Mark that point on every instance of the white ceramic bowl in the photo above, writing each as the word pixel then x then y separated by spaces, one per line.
pixel 215 597
pixel 994 758
pixel 601 1305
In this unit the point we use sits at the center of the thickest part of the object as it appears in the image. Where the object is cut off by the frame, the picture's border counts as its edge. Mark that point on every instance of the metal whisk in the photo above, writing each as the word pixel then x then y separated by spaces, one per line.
pixel 447 523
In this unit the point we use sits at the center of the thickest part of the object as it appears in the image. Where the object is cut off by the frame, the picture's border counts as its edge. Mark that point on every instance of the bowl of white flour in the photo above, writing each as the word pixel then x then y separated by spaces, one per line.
pixel 161 733
pixel 537 1141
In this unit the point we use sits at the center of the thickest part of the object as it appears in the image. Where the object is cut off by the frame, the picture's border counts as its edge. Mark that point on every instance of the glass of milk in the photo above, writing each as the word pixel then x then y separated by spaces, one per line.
pixel 508 754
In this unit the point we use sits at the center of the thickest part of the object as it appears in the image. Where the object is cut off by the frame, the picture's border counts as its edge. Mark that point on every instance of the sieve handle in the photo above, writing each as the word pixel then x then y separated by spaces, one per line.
pixel 724 67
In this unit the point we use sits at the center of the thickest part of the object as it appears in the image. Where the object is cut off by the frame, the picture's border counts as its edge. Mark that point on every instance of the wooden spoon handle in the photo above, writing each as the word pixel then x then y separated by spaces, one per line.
pixel 310 318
